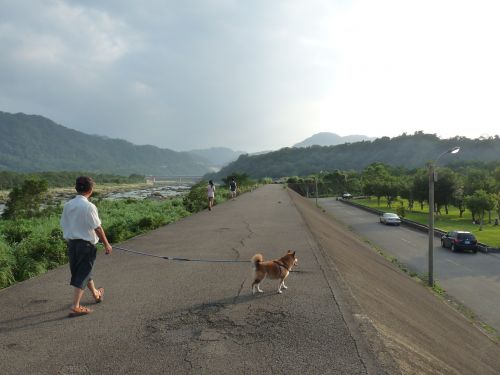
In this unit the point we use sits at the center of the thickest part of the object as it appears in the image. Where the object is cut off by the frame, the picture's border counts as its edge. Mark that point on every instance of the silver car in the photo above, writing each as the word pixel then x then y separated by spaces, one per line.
pixel 390 219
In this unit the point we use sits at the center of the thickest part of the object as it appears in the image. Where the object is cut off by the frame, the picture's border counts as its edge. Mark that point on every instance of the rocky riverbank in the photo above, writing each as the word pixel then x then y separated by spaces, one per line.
pixel 127 191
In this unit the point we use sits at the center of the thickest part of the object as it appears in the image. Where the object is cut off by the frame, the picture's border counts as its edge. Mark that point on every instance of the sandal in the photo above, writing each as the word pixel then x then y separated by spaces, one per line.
pixel 100 298
pixel 78 311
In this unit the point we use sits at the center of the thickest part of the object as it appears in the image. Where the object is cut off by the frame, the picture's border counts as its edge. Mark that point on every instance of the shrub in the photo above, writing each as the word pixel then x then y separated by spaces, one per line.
pixel 15 231
pixel 48 249
pixel 7 262
pixel 27 267
pixel 197 200
pixel 118 231
pixel 24 202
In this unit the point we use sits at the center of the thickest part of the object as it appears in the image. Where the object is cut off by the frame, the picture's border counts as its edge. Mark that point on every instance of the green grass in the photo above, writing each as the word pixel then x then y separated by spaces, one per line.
pixel 30 247
pixel 490 234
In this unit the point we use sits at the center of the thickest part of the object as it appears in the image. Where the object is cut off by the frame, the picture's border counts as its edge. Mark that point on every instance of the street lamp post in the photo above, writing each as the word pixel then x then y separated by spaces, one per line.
pixel 432 179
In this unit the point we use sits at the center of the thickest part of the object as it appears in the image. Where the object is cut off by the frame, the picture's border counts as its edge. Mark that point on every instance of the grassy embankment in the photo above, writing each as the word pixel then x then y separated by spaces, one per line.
pixel 490 234
pixel 30 247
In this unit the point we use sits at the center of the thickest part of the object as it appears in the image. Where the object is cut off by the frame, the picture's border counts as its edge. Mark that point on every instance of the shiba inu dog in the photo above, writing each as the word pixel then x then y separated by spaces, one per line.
pixel 274 269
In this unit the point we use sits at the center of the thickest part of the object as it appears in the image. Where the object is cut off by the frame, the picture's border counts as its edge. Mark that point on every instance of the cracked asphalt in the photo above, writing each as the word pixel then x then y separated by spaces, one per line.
pixel 166 317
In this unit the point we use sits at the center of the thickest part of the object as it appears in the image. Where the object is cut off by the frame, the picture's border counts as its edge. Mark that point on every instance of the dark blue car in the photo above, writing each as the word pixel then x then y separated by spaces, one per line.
pixel 459 240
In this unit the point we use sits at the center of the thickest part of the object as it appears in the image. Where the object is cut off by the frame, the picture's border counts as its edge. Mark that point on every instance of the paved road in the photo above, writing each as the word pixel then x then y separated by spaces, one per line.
pixel 473 279
pixel 161 317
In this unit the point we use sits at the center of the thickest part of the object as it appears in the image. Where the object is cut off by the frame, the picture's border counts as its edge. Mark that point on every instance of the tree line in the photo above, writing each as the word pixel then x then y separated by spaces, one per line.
pixel 474 186
pixel 409 151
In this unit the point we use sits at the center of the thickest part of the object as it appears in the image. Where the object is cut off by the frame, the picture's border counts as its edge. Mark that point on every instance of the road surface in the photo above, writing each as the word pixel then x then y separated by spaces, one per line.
pixel 473 279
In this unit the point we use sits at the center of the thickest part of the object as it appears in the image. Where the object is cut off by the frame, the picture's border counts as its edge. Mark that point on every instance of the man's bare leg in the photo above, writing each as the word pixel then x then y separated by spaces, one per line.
pixel 92 289
pixel 77 297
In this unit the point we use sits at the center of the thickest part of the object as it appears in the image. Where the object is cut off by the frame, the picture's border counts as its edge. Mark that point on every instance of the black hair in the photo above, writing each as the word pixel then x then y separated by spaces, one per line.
pixel 84 184
pixel 211 183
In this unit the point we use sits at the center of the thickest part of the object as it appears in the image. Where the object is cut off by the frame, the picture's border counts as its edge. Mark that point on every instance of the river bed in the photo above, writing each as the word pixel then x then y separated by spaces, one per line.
pixel 153 192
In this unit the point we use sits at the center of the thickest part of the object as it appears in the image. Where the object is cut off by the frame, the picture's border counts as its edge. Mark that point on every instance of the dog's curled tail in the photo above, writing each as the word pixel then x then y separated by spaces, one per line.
pixel 256 259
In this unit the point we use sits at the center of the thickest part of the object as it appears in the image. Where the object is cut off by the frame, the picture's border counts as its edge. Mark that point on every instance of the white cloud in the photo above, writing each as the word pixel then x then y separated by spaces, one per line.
pixel 141 88
pixel 58 33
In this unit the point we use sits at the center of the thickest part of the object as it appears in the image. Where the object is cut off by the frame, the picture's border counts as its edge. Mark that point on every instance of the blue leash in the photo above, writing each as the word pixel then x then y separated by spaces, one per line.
pixel 181 259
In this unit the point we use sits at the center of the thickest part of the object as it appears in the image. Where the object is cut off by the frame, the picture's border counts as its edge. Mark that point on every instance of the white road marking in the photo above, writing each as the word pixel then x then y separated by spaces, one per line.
pixel 452 262
pixel 457 264
pixel 408 242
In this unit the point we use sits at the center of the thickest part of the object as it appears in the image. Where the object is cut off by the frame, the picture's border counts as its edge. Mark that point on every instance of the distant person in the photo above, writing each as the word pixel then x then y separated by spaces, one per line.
pixel 232 188
pixel 82 230
pixel 211 194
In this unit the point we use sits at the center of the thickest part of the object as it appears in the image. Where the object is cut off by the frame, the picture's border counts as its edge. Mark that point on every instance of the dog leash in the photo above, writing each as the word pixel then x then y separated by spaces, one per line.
pixel 177 259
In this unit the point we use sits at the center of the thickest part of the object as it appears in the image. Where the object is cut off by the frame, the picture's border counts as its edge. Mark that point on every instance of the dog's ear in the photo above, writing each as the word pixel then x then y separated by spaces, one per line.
pixel 293 253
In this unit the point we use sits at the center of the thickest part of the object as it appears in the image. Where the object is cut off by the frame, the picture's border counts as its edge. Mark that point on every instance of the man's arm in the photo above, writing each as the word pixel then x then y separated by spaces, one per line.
pixel 102 236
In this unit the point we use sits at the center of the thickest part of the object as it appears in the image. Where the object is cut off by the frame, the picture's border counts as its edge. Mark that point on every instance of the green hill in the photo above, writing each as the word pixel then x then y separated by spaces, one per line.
pixel 409 151
pixel 30 143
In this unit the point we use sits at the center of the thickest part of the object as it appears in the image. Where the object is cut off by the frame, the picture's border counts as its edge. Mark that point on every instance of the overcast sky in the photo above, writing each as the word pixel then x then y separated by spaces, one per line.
pixel 253 75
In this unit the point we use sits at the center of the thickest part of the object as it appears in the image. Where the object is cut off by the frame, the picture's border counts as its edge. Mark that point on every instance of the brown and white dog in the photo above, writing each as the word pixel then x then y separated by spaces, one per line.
pixel 274 269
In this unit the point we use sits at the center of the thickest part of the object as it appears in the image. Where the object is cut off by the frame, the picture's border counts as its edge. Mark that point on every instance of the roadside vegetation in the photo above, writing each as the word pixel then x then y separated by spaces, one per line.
pixel 31 240
pixel 467 195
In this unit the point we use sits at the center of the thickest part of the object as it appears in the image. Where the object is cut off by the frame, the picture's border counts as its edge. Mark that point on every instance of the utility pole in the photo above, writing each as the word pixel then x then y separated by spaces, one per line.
pixel 432 179
pixel 431 225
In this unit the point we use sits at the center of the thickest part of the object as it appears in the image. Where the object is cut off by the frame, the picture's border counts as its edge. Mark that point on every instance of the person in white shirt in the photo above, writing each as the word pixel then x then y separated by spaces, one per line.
pixel 82 230
pixel 211 194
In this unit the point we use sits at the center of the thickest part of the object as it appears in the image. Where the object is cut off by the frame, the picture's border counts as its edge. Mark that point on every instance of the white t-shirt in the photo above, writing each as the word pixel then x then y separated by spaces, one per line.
pixel 211 191
pixel 80 219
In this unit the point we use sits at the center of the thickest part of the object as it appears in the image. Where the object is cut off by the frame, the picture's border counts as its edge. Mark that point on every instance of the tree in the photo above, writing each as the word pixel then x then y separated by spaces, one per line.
pixel 420 187
pixel 459 199
pixel 374 180
pixel 25 201
pixel 478 203
pixel 478 179
pixel 496 197
pixel 496 176
pixel 444 188
pixel 336 181
pixel 406 191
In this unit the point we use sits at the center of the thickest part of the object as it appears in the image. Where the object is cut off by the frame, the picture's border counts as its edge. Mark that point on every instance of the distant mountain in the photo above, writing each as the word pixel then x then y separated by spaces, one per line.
pixel 218 156
pixel 30 143
pixel 331 139
pixel 409 151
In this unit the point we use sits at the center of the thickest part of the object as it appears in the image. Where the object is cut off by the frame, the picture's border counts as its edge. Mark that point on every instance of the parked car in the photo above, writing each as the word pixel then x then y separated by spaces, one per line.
pixel 346 196
pixel 390 218
pixel 459 240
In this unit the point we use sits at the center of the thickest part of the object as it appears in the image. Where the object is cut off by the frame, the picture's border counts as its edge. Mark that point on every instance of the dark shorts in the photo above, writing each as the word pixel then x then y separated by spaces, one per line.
pixel 82 256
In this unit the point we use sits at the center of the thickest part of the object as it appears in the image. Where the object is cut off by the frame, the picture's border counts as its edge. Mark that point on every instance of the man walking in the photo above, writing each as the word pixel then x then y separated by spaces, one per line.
pixel 82 230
